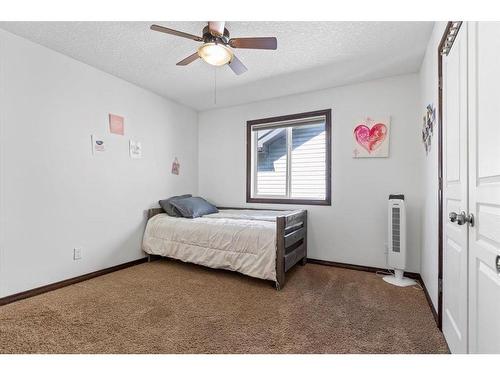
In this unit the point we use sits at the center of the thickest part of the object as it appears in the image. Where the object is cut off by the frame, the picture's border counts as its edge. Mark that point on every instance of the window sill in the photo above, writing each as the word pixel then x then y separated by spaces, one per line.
pixel 304 202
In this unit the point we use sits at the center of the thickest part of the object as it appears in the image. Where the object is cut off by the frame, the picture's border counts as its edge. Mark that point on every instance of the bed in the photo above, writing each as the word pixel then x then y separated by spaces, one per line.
pixel 259 243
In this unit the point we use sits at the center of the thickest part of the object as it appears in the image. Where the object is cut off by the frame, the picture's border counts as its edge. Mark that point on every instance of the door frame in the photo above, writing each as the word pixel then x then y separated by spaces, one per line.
pixel 450 32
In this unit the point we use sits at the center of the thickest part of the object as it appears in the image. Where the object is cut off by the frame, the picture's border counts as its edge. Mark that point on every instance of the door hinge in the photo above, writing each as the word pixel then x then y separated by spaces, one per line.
pixel 440 286
pixel 440 183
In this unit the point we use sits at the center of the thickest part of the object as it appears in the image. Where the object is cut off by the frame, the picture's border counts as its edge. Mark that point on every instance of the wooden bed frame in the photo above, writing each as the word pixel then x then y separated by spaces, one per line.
pixel 291 239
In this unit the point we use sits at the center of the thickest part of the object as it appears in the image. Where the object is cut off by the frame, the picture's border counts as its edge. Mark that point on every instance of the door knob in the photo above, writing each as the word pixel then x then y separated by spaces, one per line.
pixel 498 263
pixel 463 218
pixel 453 217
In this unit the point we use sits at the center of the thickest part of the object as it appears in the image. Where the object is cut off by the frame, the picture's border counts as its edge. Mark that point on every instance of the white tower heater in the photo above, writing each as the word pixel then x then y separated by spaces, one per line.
pixel 396 255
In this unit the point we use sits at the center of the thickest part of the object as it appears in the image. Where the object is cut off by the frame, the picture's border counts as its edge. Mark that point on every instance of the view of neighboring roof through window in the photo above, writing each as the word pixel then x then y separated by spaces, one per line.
pixel 290 159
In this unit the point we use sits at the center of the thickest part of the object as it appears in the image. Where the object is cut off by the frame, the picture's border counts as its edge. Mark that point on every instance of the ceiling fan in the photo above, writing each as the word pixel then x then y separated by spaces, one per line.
pixel 216 48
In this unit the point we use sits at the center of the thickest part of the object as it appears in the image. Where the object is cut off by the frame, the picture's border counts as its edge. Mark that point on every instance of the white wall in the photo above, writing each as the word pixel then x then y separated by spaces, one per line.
pixel 54 195
pixel 428 78
pixel 353 230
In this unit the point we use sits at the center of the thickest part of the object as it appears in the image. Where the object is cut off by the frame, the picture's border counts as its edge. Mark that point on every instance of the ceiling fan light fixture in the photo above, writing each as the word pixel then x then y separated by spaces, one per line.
pixel 215 53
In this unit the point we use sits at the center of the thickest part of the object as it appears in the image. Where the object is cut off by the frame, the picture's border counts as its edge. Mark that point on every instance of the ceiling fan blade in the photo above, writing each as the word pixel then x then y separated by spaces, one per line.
pixel 166 30
pixel 216 28
pixel 189 59
pixel 237 66
pixel 255 43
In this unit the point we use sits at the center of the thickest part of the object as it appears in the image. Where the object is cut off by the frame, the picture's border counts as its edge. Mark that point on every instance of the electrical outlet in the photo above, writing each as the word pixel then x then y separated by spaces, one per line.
pixel 77 253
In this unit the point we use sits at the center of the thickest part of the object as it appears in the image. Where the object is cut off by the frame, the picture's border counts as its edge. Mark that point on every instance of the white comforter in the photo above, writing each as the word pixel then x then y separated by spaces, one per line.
pixel 237 240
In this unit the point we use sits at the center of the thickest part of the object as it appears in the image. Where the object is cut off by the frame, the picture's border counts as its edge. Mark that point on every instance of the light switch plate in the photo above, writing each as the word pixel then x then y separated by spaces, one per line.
pixel 77 253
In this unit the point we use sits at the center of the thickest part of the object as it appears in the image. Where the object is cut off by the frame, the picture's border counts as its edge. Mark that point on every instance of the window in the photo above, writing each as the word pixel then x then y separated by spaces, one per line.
pixel 289 159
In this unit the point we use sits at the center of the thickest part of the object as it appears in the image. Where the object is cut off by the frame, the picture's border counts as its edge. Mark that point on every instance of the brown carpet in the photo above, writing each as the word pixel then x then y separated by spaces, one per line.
pixel 171 307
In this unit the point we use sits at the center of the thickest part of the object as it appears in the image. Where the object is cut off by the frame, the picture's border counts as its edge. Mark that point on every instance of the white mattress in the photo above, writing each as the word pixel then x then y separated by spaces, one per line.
pixel 265 215
pixel 236 240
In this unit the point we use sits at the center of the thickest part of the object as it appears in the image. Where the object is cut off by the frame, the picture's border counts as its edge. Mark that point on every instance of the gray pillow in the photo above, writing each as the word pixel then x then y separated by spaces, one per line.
pixel 194 207
pixel 167 205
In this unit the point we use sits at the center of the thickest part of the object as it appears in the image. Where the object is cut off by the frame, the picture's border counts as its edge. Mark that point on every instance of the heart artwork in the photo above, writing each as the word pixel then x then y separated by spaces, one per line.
pixel 370 138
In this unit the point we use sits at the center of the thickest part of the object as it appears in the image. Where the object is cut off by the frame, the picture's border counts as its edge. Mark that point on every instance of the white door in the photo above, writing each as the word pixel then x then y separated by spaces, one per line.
pixel 484 187
pixel 455 253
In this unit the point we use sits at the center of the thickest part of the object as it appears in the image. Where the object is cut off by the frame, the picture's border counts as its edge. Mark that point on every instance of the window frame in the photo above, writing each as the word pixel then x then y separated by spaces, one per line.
pixel 327 113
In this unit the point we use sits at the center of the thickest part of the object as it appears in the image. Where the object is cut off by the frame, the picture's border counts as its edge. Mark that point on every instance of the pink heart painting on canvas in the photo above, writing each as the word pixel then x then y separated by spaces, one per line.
pixel 370 138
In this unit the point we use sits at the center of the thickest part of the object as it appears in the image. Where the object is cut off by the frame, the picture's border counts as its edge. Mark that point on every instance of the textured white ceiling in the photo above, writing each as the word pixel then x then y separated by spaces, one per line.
pixel 310 55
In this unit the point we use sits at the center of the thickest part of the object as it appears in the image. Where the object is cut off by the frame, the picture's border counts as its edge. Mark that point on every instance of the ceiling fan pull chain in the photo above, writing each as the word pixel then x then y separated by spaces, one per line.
pixel 215 85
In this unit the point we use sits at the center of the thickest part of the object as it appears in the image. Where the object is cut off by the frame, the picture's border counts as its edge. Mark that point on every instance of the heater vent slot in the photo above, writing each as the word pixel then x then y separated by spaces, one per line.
pixel 396 227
